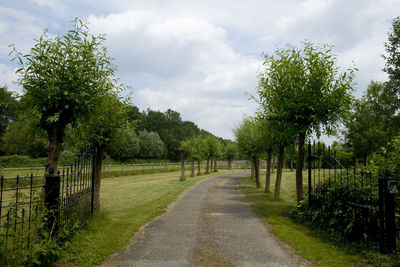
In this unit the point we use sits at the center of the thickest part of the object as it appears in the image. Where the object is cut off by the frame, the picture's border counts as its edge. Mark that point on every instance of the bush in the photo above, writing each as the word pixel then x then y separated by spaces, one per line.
pixel 329 209
pixel 19 161
pixel 67 158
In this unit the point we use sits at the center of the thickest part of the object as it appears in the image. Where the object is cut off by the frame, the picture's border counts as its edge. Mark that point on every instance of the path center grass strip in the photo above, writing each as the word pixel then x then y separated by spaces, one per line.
pixel 127 203
pixel 310 244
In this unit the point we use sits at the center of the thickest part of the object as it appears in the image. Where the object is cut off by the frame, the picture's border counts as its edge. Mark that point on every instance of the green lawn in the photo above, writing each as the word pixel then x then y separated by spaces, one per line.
pixel 127 203
pixel 310 244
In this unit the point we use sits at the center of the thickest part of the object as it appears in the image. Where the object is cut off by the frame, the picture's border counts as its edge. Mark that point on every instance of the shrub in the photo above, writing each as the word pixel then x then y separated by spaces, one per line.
pixel 15 161
pixel 330 209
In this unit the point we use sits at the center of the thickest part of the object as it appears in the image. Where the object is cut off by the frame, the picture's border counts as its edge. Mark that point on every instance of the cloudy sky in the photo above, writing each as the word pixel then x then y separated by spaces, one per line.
pixel 201 58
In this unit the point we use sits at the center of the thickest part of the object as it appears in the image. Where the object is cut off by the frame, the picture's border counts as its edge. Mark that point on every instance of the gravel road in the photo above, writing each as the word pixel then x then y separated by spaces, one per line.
pixel 209 226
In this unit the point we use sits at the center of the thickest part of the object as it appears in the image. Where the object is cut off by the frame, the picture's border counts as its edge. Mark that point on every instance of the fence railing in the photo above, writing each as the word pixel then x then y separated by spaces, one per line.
pixel 110 169
pixel 369 200
pixel 30 205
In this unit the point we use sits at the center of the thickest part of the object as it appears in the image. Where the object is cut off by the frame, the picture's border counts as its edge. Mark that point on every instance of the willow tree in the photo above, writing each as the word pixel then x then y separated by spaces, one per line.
pixel 305 88
pixel 62 77
pixel 107 122
pixel 250 143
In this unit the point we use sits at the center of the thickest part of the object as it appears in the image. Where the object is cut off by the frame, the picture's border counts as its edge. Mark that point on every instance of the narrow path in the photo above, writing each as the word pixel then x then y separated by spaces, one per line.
pixel 209 226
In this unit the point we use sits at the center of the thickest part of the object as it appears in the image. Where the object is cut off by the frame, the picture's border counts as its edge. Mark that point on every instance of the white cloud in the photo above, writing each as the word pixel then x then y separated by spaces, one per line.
pixel 199 57
pixel 189 64
pixel 9 78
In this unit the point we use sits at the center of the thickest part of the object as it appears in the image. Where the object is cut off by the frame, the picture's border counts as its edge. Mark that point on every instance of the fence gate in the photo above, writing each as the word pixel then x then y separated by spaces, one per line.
pixel 69 193
pixel 371 200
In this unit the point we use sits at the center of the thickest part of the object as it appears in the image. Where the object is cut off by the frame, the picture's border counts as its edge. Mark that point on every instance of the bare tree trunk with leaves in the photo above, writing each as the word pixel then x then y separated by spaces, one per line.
pixel 208 165
pixel 182 167
pixel 268 171
pixel 299 167
pixel 215 165
pixel 229 164
pixel 281 158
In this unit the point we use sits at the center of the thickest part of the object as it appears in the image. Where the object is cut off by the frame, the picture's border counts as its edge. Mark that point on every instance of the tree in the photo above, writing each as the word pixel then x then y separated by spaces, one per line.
pixel 373 122
pixel 230 153
pixel 392 65
pixel 125 144
pixel 22 139
pixel 8 109
pixel 63 77
pixel 151 146
pixel 100 128
pixel 303 87
pixel 250 143
pixel 210 150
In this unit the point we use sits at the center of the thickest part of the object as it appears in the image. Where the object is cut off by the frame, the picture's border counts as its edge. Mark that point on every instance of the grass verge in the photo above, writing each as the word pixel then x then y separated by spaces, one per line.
pixel 127 203
pixel 311 244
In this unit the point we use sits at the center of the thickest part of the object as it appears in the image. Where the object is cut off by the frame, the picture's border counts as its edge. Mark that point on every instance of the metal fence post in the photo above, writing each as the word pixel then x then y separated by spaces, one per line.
pixel 387 191
pixel 52 200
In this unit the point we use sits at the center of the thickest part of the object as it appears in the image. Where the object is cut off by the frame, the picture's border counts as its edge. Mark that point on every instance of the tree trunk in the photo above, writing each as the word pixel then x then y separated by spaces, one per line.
pixel 192 168
pixel 252 169
pixel 291 165
pixel 97 175
pixel 281 158
pixel 56 138
pixel 268 175
pixel 273 164
pixel 198 167
pixel 230 164
pixel 299 167
pixel 215 165
pixel 208 165
pixel 257 171
pixel 182 167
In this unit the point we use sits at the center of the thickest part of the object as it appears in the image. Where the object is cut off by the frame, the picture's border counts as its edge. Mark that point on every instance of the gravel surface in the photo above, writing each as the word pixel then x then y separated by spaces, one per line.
pixel 209 226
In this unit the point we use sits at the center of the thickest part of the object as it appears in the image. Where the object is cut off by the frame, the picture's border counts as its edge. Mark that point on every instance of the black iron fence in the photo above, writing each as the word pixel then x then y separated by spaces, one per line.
pixel 32 204
pixel 361 205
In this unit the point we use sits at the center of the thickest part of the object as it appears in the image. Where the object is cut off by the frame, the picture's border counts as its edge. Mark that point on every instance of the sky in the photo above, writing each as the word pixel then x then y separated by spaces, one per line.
pixel 202 58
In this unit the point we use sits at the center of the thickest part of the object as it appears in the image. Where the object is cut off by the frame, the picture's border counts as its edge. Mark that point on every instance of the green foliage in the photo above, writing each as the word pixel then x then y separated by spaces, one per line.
pixel 249 138
pixel 8 108
pixel 125 145
pixel 170 127
pixel 212 147
pixel 231 151
pixel 151 146
pixel 67 158
pixel 372 123
pixel 303 88
pixel 16 161
pixel 63 76
pixel 329 210
pixel 388 157
pixel 392 66
pixel 22 139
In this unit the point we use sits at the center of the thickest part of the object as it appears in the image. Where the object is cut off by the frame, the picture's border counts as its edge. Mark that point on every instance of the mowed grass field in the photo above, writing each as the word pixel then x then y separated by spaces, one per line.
pixel 311 244
pixel 127 203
